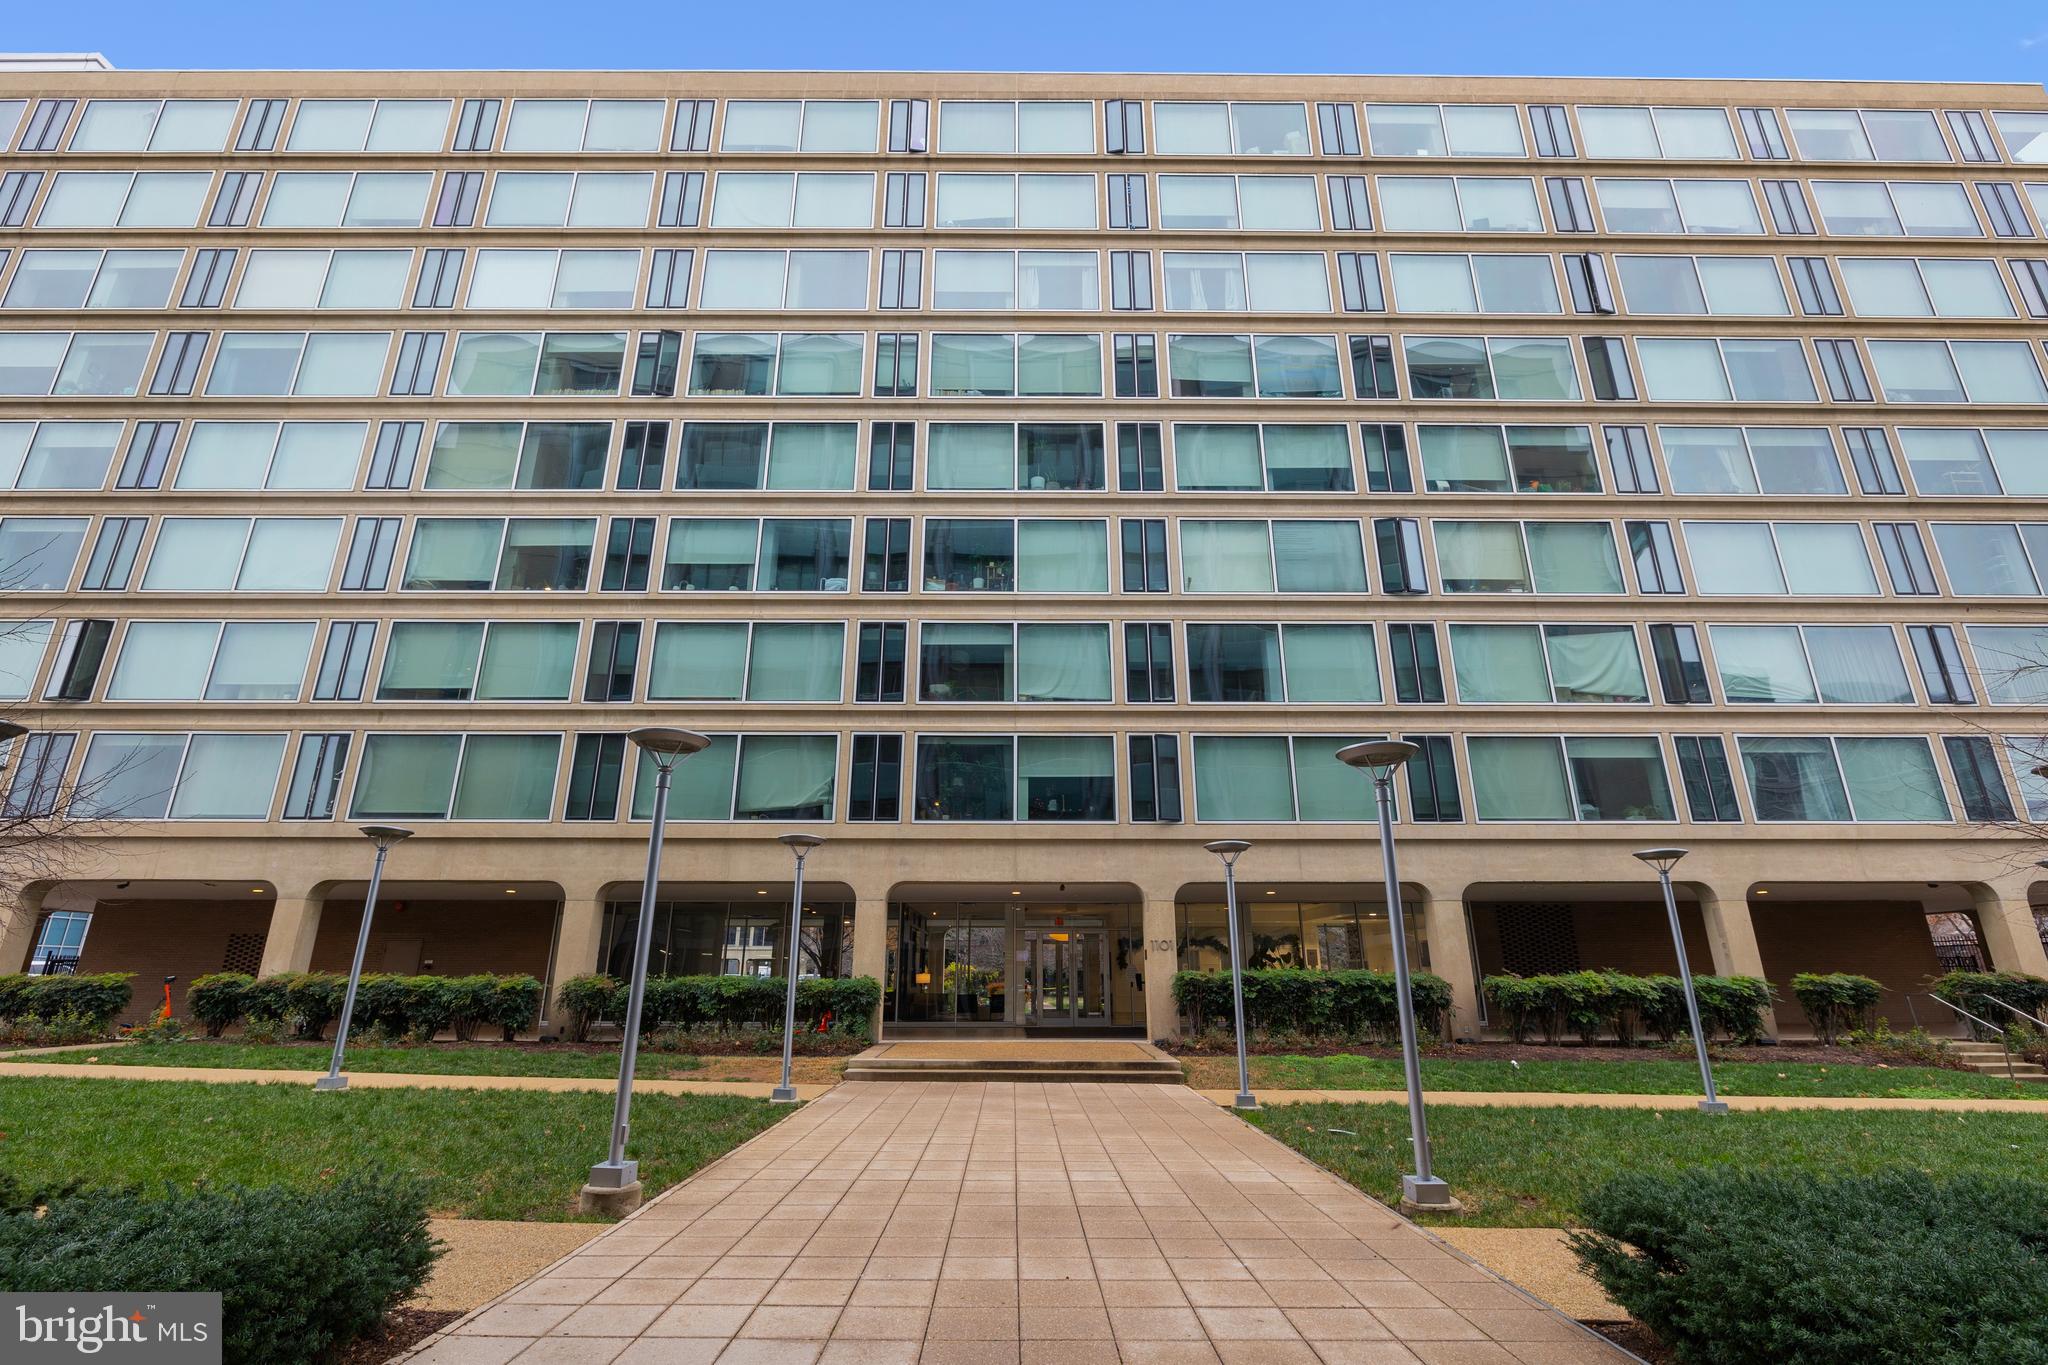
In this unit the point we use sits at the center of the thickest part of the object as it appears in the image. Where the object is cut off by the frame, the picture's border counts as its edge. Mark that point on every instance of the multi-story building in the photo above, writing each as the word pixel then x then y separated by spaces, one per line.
pixel 1025 479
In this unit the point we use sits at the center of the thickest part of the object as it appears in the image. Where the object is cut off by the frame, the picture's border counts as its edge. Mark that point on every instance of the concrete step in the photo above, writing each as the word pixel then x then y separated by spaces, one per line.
pixel 1027 1062
pixel 1040 1075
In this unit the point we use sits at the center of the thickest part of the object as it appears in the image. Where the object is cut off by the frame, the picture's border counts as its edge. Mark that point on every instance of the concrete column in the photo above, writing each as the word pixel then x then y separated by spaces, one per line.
pixel 578 941
pixel 2005 923
pixel 1452 957
pixel 871 941
pixel 19 915
pixel 1162 960
pixel 1731 939
pixel 294 924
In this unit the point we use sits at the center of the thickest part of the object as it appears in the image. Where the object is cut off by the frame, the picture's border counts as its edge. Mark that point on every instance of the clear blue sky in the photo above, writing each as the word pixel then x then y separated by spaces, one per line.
pixel 1992 40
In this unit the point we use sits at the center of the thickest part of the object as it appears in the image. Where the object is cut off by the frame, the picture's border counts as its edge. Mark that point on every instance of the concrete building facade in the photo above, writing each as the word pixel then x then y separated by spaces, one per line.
pixel 1024 479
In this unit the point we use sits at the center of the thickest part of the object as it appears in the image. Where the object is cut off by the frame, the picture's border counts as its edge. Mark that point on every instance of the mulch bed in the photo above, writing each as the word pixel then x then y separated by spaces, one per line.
pixel 1633 1337
pixel 403 1330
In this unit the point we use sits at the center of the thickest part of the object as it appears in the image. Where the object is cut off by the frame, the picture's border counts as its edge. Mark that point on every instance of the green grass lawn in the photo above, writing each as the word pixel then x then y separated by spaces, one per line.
pixel 432 1060
pixel 1652 1075
pixel 518 1154
pixel 1533 1167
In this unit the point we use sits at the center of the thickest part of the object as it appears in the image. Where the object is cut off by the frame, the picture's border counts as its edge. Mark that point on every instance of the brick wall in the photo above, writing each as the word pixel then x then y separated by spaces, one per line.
pixel 1887 940
pixel 460 938
pixel 154 939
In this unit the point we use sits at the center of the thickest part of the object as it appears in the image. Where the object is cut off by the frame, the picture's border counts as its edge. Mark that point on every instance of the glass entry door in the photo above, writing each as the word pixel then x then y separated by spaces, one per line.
pixel 1069 978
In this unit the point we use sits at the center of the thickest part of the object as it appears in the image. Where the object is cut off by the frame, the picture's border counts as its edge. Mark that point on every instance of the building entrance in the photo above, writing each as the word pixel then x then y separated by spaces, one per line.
pixel 1068 981
pixel 1015 966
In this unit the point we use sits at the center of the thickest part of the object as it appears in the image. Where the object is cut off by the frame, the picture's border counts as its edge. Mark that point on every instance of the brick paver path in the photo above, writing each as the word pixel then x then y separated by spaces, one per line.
pixel 1000 1224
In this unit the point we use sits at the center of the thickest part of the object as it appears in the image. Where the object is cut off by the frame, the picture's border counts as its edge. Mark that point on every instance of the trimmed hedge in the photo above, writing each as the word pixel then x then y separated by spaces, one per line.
pixel 1357 1004
pixel 1969 990
pixel 92 1001
pixel 1733 1267
pixel 727 1002
pixel 299 1272
pixel 1607 1003
pixel 416 1007
pixel 1836 1002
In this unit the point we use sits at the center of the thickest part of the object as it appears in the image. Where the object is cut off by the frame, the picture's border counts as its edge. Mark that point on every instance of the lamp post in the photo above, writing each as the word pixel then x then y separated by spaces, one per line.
pixel 614 1185
pixel 1380 759
pixel 1229 850
pixel 383 836
pixel 1664 859
pixel 800 845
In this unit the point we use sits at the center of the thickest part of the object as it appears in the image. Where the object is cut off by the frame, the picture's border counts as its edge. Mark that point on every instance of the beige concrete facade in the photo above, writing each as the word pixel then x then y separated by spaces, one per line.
pixel 1762 896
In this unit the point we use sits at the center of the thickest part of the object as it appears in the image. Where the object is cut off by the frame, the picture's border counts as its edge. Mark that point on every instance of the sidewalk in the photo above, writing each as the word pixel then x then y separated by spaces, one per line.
pixel 1543 1099
pixel 1015 1224
pixel 399 1080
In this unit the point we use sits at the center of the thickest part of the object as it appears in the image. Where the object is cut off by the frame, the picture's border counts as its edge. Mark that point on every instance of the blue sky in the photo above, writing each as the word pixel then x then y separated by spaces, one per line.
pixel 1989 40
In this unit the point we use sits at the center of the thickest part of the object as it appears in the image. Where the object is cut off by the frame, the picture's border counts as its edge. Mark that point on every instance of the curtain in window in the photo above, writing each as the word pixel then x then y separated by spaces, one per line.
pixel 1480 556
pixel 1595 663
pixel 742 279
pixel 1066 777
pixel 1534 369
pixel 1204 281
pixel 2000 372
pixel 1297 367
pixel 974 279
pixel 1278 203
pixel 1464 459
pixel 1983 560
pixel 430 659
pixel 472 455
pixel 722 455
pixel 1307 459
pixel 449 552
pixel 289 554
pixel 1197 201
pixel 813 455
pixel 1226 556
pixel 507 777
pixel 261 661
pixel 787 777
pixel 1682 370
pixel 701 788
pixel 1060 281
pixel 1795 460
pixel 192 553
pixel 1059 366
pixel 973 455
pixel 1330 663
pixel 1794 779
pixel 1319 556
pixel 546 554
pixel 228 777
pixel 1433 282
pixel 1574 556
pixel 823 280
pixel 227 455
pixel 342 364
pixel 976 201
pixel 697 661
pixel 1498 204
pixel 406 777
pixel 163 661
pixel 796 661
pixel 1858 664
pixel 820 365
pixel 712 552
pixel 509 279
pixel 1825 558
pixel 1762 664
pixel 528 661
pixel 1327 788
pixel 1764 370
pixel 2014 662
pixel 1892 779
pixel 1243 777
pixel 317 455
pixel 1062 556
pixel 1734 558
pixel 1211 366
pixel 1915 372
pixel 1518 778
pixel 1500 663
pixel 1215 456
pixel 802 554
pixel 1620 778
pixel 1707 460
pixel 973 366
pixel 21 653
pixel 977 126
pixel 1063 662
pixel 493 364
pixel 834 200
pixel 1288 281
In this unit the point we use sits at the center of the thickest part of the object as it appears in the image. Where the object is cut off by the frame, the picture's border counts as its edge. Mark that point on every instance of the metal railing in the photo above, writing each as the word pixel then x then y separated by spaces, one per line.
pixel 2005 1042
pixel 2005 1005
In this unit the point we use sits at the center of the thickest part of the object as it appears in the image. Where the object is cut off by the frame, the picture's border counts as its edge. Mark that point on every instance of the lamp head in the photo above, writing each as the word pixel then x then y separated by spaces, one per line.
pixel 1227 849
pixel 799 844
pixel 384 836
pixel 668 744
pixel 1379 756
pixel 11 730
pixel 1663 859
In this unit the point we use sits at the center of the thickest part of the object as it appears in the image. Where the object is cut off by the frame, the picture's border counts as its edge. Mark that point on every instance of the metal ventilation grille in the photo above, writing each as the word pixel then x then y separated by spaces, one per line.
pixel 1537 939
pixel 244 954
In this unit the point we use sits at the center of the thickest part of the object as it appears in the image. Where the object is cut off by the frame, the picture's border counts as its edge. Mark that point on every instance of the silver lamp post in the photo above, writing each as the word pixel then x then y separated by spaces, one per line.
pixel 800 845
pixel 1229 850
pixel 614 1184
pixel 1380 759
pixel 383 836
pixel 1664 859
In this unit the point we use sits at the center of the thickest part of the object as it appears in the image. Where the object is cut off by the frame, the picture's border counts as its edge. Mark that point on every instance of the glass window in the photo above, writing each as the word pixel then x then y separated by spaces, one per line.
pixel 1186 129
pixel 1518 777
pixel 56 455
pixel 39 552
pixel 1985 559
pixel 103 364
pixel 1243 778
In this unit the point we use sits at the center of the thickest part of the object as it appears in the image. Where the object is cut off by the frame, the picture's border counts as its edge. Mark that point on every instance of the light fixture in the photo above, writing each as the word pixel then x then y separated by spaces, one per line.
pixel 1230 850
pixel 1664 859
pixel 255 890
pixel 760 893
pixel 1763 891
pixel 1016 893
pixel 511 890
pixel 1272 893
pixel 382 838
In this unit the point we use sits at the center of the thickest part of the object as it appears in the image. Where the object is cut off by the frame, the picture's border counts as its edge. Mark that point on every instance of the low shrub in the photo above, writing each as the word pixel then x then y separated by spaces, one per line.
pixel 1972 991
pixel 32 1007
pixel 584 1000
pixel 1836 1002
pixel 514 1004
pixel 1913 1047
pixel 1734 1267
pixel 1291 1000
pixel 299 1272
pixel 471 997
pixel 727 1003
pixel 312 1001
pixel 219 1000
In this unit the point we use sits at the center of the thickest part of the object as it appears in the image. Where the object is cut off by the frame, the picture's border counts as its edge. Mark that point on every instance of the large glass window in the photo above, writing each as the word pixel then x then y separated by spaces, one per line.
pixel 1531 777
pixel 144 199
pixel 1023 777
pixel 81 364
pixel 801 126
pixel 1711 207
pixel 1001 662
pixel 1958 372
pixel 1547 663
pixel 990 200
pixel 1243 457
pixel 780 199
pixel 1031 456
pixel 1895 287
pixel 1182 128
pixel 1900 208
pixel 1262 281
pixel 1275 778
pixel 1032 281
pixel 57 455
pixel 1992 559
pixel 1803 558
pixel 1006 365
pixel 1264 557
pixel 1639 134
pixel 774 554
pixel 317 364
pixel 1770 460
pixel 1519 459
pixel 1515 369
pixel 1441 283
pixel 734 661
pixel 1248 203
pixel 260 554
pixel 179 777
pixel 1032 127
pixel 153 126
pixel 1727 369
pixel 456 777
pixel 439 661
pixel 584 126
pixel 190 660
pixel 1969 462
pixel 37 554
pixel 1032 555
pixel 1463 203
pixel 1485 130
pixel 1539 556
pixel 1731 286
pixel 85 278
pixel 1843 665
pixel 1867 778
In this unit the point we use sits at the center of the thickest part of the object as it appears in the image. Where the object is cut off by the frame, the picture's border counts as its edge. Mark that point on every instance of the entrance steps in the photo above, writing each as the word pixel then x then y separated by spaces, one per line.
pixel 1989 1059
pixel 1032 1061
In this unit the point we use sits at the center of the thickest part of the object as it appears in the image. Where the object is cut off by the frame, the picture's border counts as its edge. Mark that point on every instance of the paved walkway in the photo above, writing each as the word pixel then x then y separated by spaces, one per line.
pixel 994 1224
pixel 398 1080
pixel 1550 1099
